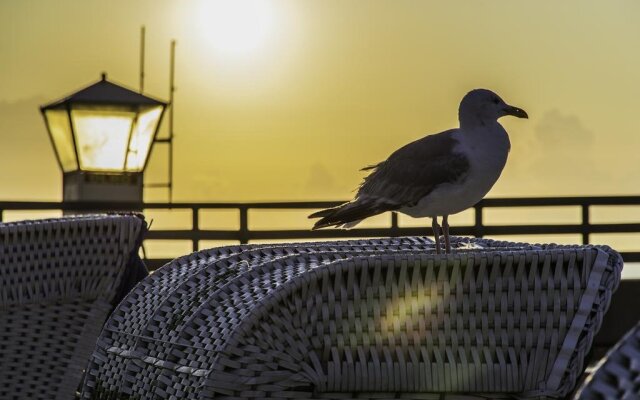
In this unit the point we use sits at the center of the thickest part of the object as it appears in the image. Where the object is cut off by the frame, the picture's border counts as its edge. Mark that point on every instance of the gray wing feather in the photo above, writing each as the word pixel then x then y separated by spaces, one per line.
pixel 414 171
pixel 409 174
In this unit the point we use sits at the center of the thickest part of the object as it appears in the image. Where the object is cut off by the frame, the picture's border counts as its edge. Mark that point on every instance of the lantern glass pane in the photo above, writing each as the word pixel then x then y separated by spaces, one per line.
pixel 142 137
pixel 60 129
pixel 102 136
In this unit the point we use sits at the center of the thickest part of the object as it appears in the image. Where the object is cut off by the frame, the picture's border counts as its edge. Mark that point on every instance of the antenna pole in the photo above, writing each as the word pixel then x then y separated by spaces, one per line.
pixel 142 40
pixel 172 89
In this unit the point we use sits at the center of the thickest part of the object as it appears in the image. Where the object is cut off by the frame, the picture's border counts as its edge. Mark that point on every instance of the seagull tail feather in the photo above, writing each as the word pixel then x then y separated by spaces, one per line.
pixel 325 212
pixel 348 214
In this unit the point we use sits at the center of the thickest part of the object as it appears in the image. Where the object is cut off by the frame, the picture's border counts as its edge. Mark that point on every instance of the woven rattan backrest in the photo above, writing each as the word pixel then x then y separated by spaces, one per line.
pixel 618 375
pixel 338 319
pixel 58 278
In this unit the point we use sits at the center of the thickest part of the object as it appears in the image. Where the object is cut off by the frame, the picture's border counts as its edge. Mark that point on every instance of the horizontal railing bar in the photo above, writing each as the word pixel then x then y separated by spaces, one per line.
pixel 560 201
pixel 552 229
pixel 188 234
pixel 486 203
pixel 630 256
pixel 117 206
pixel 456 230
pixel 156 185
pixel 155 263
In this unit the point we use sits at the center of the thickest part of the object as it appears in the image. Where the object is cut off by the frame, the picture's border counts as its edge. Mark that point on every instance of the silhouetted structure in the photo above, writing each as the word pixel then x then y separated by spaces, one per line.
pixel 102 136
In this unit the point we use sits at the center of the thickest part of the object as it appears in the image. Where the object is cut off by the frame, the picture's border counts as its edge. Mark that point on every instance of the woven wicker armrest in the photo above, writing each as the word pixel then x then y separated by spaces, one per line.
pixel 618 374
pixel 385 318
pixel 59 279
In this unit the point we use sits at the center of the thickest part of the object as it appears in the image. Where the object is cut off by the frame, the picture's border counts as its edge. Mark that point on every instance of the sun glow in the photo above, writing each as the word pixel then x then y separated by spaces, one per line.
pixel 236 27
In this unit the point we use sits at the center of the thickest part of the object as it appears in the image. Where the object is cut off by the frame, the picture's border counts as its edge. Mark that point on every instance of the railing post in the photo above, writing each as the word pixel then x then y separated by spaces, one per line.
pixel 244 224
pixel 195 227
pixel 586 224
pixel 478 226
pixel 394 224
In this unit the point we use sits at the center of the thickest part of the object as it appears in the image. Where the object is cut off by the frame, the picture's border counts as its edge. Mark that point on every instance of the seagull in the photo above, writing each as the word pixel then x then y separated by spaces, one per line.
pixel 436 176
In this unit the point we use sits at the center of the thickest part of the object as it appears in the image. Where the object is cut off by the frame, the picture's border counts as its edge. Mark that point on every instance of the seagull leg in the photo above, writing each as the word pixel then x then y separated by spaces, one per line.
pixel 436 233
pixel 445 229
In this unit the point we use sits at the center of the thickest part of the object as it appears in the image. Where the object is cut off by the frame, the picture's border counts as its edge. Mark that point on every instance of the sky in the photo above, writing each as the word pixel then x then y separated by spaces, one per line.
pixel 287 100
pixel 284 100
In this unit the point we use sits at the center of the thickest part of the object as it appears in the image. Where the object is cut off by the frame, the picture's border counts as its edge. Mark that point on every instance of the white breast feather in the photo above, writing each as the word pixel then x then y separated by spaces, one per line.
pixel 487 153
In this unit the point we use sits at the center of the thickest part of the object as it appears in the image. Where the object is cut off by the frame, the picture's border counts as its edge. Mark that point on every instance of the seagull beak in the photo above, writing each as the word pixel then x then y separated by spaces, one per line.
pixel 516 112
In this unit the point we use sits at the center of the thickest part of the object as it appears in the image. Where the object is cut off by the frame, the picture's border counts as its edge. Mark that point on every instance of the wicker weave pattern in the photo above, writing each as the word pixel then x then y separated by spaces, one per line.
pixel 365 319
pixel 194 277
pixel 618 377
pixel 57 280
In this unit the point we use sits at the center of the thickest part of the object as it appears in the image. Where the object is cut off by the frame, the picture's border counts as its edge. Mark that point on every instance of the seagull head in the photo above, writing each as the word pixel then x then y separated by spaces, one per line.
pixel 482 106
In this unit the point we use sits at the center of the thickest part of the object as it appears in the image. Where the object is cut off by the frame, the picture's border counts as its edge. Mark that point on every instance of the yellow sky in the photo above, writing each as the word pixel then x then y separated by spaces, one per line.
pixel 286 100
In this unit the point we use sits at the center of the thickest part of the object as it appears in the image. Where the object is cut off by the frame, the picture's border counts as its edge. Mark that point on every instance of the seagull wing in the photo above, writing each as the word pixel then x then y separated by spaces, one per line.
pixel 409 174
pixel 414 171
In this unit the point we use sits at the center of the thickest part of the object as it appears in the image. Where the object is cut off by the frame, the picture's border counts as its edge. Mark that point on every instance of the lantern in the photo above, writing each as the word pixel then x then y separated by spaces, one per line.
pixel 102 136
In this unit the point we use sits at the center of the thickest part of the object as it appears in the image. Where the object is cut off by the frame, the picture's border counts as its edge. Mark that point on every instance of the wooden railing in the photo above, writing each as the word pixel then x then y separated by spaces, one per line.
pixel 584 228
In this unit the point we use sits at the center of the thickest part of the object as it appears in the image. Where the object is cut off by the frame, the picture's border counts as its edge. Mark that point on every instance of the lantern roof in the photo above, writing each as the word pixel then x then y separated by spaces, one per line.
pixel 107 93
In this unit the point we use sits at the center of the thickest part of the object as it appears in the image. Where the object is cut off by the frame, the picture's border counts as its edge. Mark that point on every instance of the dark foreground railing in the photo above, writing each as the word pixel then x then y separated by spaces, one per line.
pixel 244 234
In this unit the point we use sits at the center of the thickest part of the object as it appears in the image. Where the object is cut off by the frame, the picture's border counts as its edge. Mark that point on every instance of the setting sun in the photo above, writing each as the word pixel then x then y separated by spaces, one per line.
pixel 235 28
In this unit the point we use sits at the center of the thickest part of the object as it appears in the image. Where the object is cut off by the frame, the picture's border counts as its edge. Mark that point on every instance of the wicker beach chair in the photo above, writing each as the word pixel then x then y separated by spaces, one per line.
pixel 373 319
pixel 618 374
pixel 59 280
